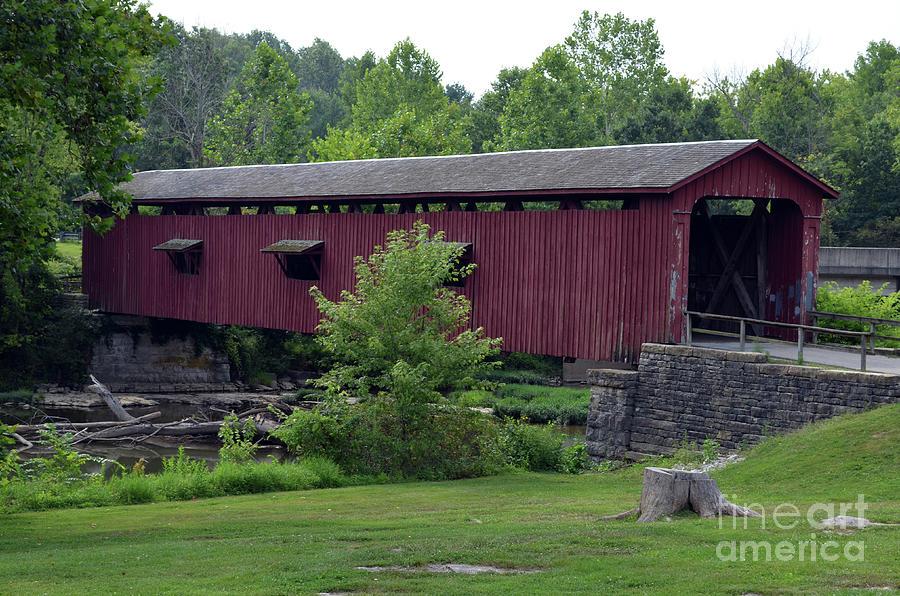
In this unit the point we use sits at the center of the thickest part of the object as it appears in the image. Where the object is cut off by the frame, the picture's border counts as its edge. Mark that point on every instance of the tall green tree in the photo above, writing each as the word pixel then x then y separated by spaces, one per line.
pixel 548 108
pixel 863 157
pixel 70 71
pixel 195 77
pixel 399 110
pixel 319 70
pixel 482 123
pixel 71 90
pixel 407 77
pixel 582 92
pixel 787 104
pixel 262 119
pixel 672 114
pixel 620 60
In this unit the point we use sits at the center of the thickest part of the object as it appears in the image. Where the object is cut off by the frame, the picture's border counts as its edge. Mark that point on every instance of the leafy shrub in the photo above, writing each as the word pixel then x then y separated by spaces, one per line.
pixel 575 459
pixel 546 366
pixel 710 449
pixel 237 440
pixel 9 459
pixel 863 301
pixel 131 489
pixel 530 447
pixel 65 464
pixel 473 398
pixel 373 438
pixel 254 352
pixel 182 465
pixel 38 341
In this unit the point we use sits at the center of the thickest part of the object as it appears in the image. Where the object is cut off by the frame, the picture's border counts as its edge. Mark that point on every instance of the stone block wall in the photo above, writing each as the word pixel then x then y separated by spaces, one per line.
pixel 736 398
pixel 127 360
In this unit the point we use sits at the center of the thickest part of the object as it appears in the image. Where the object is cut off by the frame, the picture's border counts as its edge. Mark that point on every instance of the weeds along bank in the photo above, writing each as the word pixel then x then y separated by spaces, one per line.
pixel 361 446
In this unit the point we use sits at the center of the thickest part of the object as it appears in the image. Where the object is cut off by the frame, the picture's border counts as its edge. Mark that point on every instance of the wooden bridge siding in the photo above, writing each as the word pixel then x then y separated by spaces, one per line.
pixel 588 284
pixel 792 232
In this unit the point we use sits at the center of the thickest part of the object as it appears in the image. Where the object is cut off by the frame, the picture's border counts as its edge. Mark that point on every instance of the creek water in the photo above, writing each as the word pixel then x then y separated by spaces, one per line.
pixel 151 451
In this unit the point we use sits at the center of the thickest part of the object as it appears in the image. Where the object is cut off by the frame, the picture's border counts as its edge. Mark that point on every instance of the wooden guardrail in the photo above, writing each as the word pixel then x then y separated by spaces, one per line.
pixel 816 315
pixel 801 332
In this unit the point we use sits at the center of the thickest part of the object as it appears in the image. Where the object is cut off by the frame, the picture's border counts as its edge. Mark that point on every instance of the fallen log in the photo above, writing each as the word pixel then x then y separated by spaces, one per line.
pixel 110 400
pixel 30 428
pixel 138 429
pixel 666 492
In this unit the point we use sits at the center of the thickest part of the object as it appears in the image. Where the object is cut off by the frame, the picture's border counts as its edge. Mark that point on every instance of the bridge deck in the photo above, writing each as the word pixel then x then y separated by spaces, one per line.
pixel 840 357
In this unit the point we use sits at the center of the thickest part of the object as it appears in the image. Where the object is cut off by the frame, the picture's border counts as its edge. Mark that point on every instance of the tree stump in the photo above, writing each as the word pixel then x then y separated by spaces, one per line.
pixel 666 492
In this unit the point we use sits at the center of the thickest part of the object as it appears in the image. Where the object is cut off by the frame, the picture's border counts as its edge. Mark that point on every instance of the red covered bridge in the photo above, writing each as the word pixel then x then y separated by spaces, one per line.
pixel 243 245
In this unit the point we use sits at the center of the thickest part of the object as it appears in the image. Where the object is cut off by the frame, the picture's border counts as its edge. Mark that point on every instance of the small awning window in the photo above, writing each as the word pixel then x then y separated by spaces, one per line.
pixel 179 245
pixel 294 247
pixel 184 254
pixel 298 259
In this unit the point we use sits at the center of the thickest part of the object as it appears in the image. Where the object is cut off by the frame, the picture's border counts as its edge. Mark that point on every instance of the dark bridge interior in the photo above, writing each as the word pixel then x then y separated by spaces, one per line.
pixel 745 265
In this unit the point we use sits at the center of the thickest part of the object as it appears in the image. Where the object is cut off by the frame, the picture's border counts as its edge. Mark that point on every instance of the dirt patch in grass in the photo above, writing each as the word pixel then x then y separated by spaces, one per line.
pixel 461 568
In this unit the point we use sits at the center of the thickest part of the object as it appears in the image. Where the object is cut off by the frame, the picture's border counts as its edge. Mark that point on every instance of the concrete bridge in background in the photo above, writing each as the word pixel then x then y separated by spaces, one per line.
pixel 850 266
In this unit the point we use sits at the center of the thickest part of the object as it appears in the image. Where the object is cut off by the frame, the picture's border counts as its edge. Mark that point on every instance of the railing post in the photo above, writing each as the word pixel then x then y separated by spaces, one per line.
pixel 872 331
pixel 862 352
pixel 687 337
pixel 743 334
pixel 799 344
pixel 815 323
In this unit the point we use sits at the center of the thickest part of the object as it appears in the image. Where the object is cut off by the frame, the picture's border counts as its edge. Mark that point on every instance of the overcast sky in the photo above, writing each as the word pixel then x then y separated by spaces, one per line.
pixel 473 40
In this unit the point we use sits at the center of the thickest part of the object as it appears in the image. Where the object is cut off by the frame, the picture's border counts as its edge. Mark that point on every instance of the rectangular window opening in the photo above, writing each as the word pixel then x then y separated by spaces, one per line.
pixel 464 259
pixel 184 254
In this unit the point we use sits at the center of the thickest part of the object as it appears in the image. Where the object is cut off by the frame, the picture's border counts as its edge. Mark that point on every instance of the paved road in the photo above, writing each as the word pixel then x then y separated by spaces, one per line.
pixel 844 358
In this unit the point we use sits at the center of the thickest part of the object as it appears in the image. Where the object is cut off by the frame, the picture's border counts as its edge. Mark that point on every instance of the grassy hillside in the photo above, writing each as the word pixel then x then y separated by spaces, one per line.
pixel 835 459
pixel 309 542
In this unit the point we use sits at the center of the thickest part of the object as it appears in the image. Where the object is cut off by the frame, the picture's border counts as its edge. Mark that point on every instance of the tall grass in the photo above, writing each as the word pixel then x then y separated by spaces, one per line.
pixel 186 479
pixel 537 403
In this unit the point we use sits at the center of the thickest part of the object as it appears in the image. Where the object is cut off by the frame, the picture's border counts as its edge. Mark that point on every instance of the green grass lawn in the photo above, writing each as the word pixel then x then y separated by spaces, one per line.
pixel 310 542
pixel 69 249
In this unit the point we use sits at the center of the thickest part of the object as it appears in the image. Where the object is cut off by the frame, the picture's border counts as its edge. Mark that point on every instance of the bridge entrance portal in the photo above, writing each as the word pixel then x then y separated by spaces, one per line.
pixel 745 259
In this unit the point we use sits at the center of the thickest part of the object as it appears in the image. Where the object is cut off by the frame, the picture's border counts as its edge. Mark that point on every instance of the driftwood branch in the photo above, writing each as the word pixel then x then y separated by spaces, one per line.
pixel 27 444
pixel 139 429
pixel 30 428
pixel 110 400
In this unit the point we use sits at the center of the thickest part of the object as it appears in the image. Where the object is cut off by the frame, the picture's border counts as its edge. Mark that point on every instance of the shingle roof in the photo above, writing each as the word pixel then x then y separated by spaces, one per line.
pixel 625 167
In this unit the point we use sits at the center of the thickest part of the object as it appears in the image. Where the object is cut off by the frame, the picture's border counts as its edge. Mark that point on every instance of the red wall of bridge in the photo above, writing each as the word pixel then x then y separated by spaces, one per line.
pixel 589 284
